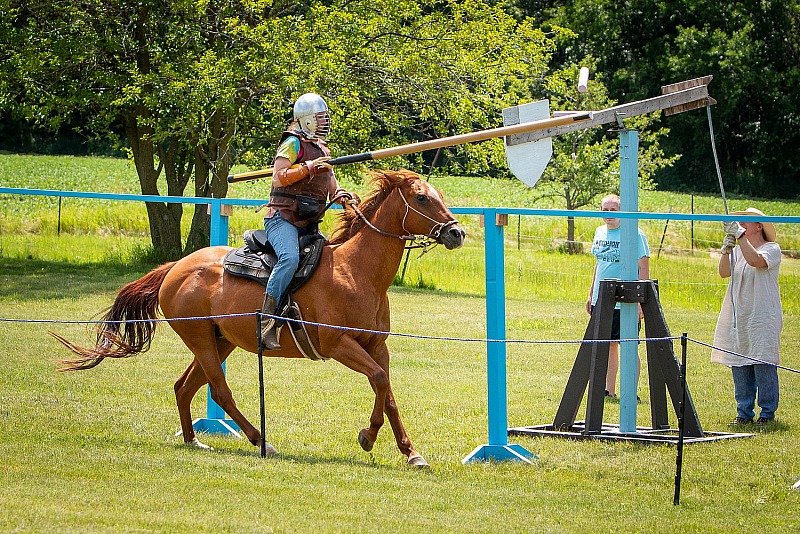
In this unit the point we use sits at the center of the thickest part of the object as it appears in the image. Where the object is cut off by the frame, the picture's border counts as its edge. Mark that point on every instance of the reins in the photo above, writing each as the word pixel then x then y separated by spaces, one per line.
pixel 425 242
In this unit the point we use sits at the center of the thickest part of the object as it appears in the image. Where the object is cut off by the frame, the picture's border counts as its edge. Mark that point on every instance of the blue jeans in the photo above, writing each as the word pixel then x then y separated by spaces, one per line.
pixel 283 236
pixel 749 379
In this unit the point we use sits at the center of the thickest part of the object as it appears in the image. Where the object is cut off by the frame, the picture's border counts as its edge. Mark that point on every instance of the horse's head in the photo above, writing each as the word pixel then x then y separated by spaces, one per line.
pixel 416 209
pixel 427 214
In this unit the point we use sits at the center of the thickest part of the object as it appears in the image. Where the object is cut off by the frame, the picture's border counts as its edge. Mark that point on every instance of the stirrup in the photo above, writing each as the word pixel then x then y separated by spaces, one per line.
pixel 267 323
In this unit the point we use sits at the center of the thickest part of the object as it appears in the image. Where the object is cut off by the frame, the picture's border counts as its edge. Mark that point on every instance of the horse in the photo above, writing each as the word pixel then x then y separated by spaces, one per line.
pixel 349 288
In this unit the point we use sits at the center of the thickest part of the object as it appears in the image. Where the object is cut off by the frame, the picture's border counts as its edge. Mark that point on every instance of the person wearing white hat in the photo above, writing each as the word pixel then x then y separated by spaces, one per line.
pixel 751 318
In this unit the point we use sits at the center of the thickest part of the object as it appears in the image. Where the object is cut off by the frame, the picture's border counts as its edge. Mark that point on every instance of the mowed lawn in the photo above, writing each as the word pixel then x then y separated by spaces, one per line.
pixel 96 451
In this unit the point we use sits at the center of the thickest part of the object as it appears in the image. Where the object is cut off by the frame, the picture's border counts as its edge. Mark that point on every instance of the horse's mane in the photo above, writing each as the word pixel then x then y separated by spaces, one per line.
pixel 385 182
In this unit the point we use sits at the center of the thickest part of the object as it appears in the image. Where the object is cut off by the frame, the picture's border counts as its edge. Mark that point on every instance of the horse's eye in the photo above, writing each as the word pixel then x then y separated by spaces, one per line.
pixel 422 198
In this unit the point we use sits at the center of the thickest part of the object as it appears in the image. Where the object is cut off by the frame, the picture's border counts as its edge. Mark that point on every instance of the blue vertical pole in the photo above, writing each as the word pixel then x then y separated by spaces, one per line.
pixel 496 329
pixel 629 314
pixel 498 447
pixel 215 421
pixel 219 224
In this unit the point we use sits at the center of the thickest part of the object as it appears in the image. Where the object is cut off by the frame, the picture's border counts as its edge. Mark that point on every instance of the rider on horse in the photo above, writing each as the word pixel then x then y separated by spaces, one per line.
pixel 302 182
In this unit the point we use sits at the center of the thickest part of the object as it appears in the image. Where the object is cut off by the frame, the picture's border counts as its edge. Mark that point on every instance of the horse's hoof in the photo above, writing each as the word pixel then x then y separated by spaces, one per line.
pixel 202 446
pixel 364 441
pixel 417 461
pixel 269 450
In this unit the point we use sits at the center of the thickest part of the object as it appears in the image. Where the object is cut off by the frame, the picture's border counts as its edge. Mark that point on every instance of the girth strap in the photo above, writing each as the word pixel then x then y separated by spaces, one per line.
pixel 299 333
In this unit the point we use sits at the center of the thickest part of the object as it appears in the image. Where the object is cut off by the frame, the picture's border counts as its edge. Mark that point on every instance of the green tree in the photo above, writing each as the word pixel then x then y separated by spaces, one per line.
pixel 195 87
pixel 753 51
pixel 147 69
pixel 751 48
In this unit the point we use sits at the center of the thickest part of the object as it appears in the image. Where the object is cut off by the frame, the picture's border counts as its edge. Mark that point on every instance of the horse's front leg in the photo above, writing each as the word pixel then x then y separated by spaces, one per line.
pixel 381 355
pixel 349 353
pixel 400 434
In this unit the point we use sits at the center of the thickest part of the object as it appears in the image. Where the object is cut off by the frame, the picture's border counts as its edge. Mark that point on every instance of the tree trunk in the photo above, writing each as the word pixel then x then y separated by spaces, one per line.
pixel 571 246
pixel 200 232
pixel 164 218
pixel 571 229
pixel 212 165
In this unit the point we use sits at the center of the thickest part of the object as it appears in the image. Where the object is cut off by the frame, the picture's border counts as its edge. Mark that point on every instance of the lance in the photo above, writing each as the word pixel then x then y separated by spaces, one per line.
pixel 422 146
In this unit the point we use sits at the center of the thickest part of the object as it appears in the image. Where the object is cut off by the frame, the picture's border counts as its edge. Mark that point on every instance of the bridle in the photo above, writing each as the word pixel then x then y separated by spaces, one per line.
pixel 425 242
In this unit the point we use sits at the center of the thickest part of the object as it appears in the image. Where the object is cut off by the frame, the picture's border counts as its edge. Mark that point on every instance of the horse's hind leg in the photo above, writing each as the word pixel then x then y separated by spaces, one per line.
pixel 209 353
pixel 192 379
pixel 187 386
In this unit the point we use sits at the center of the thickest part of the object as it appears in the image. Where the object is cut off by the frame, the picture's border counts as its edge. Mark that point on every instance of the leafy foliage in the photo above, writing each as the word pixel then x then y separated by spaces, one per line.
pixel 418 71
pixel 751 49
pixel 196 87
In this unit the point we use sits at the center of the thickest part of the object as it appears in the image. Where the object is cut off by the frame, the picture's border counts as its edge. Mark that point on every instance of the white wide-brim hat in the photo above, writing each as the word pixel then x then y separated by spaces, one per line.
pixel 769 228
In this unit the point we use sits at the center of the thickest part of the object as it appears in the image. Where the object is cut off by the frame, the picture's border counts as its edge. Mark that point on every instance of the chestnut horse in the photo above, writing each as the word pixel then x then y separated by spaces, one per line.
pixel 349 288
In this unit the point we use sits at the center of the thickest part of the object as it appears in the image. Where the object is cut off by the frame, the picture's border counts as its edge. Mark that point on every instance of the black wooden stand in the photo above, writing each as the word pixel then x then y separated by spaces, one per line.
pixel 592 362
pixel 663 370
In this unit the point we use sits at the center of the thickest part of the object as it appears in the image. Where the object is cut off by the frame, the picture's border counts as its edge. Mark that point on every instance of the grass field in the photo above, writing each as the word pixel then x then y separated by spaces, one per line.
pixel 96 451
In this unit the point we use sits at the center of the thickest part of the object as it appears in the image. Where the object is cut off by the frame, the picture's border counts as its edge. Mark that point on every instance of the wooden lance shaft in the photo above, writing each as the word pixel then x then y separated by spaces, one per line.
pixel 422 146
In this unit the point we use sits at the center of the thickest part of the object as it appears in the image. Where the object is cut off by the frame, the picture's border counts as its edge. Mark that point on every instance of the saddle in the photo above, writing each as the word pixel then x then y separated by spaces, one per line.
pixel 256 259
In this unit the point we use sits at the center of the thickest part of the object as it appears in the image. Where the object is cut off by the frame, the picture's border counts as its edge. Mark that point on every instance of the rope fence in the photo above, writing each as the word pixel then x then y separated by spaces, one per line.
pixel 660 282
pixel 678 243
pixel 702 245
pixel 401 334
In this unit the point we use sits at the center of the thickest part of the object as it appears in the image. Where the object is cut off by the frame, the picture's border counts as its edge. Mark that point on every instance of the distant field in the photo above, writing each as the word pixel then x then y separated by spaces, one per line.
pixel 40 215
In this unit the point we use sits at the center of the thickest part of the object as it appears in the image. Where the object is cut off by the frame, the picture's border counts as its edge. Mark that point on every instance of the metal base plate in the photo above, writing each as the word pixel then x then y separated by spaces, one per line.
pixel 612 432
pixel 500 453
pixel 216 426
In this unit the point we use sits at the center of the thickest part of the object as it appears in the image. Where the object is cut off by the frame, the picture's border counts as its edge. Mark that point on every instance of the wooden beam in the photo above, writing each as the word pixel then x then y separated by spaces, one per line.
pixel 441 142
pixel 480 135
pixel 680 86
pixel 698 94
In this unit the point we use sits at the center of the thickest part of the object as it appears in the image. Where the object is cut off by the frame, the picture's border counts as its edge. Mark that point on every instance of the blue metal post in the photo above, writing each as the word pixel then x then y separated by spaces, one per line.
pixel 629 314
pixel 215 421
pixel 498 448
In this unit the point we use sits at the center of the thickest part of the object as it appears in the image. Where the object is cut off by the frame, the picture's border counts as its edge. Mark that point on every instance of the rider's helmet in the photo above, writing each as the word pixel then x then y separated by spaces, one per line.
pixel 311 113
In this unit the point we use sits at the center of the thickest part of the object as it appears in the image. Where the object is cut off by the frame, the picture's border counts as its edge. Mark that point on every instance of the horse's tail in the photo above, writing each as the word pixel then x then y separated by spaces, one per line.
pixel 127 326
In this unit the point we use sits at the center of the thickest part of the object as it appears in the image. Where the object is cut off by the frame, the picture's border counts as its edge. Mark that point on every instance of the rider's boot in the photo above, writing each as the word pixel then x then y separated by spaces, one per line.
pixel 269 338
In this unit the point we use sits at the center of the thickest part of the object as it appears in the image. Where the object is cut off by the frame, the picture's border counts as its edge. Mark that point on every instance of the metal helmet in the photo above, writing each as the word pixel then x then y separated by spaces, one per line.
pixel 311 113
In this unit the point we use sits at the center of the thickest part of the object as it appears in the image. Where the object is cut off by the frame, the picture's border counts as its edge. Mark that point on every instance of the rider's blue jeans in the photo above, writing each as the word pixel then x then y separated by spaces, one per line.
pixel 283 236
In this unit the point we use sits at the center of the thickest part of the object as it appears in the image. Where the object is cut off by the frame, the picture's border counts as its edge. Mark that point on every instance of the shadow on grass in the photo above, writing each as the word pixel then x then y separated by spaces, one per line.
pixel 441 292
pixel 25 279
pixel 774 426
pixel 31 279
pixel 297 458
